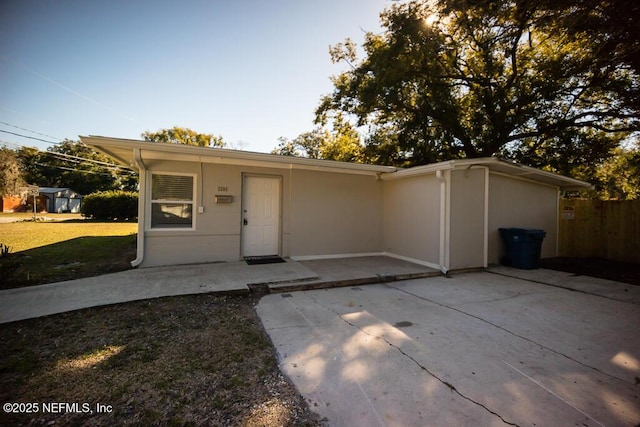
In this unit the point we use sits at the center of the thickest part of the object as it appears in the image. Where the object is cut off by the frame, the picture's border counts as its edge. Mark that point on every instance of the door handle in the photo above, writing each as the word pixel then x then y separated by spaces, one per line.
pixel 244 221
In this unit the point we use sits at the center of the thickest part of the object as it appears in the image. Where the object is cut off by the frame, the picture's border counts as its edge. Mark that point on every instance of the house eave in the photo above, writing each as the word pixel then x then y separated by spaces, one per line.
pixel 498 166
pixel 122 150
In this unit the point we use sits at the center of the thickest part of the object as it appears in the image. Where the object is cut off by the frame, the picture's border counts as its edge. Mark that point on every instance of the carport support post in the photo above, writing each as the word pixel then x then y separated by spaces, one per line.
pixel 485 258
pixel 444 221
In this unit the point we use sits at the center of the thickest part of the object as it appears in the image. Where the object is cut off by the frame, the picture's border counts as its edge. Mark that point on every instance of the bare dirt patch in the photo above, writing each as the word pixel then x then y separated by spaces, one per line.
pixel 193 360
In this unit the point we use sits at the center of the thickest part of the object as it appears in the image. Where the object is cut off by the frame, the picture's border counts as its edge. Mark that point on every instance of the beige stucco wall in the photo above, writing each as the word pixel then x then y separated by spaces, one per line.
pixel 519 203
pixel 334 213
pixel 216 236
pixel 329 213
pixel 411 225
pixel 321 214
pixel 466 235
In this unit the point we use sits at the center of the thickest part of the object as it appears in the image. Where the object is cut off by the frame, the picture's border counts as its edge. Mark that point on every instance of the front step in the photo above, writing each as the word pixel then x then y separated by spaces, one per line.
pixel 307 285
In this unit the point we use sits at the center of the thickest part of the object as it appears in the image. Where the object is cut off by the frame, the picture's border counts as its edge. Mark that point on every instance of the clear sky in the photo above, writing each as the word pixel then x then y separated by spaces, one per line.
pixel 251 71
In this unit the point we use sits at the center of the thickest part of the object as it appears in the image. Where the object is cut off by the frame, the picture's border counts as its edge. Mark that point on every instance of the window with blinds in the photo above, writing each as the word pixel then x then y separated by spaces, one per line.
pixel 171 201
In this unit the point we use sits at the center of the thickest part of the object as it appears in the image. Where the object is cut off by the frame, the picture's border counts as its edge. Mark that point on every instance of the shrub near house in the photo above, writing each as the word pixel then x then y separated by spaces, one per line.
pixel 121 205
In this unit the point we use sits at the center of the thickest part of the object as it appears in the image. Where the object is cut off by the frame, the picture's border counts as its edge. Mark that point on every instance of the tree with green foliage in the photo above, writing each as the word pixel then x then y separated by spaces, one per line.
pixel 178 135
pixel 340 144
pixel 74 165
pixel 10 176
pixel 463 79
pixel 306 144
pixel 616 178
pixel 611 27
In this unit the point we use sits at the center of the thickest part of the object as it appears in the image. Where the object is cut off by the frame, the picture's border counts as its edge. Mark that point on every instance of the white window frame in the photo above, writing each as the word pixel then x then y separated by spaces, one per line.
pixel 152 201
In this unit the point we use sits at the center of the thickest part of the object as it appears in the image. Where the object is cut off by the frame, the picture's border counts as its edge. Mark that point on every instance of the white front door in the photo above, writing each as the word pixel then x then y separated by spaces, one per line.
pixel 260 216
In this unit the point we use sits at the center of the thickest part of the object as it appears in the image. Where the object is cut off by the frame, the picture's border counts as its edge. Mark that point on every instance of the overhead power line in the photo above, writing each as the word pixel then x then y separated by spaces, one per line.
pixel 107 166
pixel 54 152
pixel 29 130
pixel 75 159
pixel 30 137
pixel 72 169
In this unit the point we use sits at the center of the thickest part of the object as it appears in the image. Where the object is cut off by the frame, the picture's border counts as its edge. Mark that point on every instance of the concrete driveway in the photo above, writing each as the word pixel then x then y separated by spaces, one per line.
pixel 475 349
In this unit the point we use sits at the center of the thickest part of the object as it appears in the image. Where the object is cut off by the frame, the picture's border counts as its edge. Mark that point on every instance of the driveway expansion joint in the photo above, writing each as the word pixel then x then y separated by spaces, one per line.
pixel 566 288
pixel 422 367
pixel 502 328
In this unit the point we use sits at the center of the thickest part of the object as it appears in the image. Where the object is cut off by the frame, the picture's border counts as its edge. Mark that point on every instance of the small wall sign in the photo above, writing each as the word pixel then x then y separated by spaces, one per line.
pixel 568 212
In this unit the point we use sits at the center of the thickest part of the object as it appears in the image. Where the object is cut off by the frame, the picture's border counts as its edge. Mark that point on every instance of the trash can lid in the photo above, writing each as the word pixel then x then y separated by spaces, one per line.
pixel 519 231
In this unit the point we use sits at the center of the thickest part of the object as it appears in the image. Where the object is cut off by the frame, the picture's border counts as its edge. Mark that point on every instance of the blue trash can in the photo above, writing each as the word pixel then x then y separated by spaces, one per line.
pixel 523 247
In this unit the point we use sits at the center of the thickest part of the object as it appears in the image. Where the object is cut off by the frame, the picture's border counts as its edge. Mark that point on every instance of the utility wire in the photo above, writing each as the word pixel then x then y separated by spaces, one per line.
pixel 78 162
pixel 83 159
pixel 114 168
pixel 77 159
pixel 71 169
pixel 116 171
pixel 29 130
pixel 30 137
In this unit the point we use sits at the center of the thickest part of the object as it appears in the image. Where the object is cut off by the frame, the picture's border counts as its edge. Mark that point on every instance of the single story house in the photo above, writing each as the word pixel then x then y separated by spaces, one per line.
pixel 201 205
pixel 60 200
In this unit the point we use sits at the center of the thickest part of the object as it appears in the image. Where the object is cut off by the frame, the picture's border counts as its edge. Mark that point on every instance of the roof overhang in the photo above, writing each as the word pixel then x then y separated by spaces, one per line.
pixel 123 151
pixel 498 166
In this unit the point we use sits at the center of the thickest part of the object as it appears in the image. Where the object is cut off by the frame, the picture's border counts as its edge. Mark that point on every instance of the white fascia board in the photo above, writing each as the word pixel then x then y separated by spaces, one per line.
pixel 434 167
pixel 538 175
pixel 122 151
pixel 495 165
pixel 519 170
pixel 419 170
pixel 151 150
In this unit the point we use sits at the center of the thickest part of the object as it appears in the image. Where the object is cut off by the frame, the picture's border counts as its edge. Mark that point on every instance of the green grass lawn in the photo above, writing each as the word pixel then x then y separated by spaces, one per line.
pixel 46 251
pixel 190 360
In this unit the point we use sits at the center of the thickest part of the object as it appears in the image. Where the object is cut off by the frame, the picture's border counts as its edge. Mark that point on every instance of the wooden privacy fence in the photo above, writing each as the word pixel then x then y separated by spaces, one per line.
pixel 600 228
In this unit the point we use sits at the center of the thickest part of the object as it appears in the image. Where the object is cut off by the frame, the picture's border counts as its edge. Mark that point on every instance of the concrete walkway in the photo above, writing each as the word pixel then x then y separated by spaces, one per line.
pixel 232 277
pixel 469 349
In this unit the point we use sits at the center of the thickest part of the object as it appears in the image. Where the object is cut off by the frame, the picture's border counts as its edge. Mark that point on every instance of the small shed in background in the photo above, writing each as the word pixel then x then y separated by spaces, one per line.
pixel 61 200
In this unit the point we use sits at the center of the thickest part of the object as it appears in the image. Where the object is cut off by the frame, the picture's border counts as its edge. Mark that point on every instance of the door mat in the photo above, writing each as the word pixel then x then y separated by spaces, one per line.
pixel 269 259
